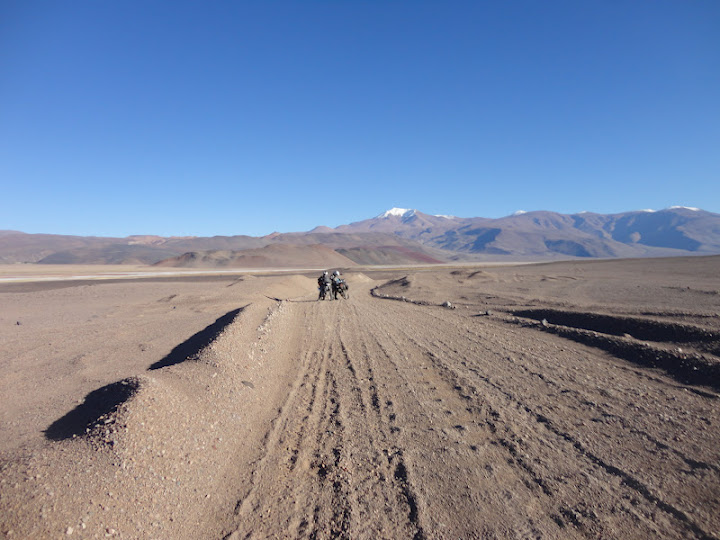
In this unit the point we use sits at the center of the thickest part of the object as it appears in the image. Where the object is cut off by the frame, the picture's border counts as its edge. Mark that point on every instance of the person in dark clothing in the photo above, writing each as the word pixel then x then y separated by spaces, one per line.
pixel 324 285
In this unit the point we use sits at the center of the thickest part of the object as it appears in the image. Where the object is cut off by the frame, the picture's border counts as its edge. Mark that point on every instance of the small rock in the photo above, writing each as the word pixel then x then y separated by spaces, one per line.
pixel 18 323
pixel 69 531
pixel 544 323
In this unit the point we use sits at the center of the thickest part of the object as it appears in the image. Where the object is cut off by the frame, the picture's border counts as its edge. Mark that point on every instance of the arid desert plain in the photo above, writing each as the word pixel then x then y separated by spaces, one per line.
pixel 559 400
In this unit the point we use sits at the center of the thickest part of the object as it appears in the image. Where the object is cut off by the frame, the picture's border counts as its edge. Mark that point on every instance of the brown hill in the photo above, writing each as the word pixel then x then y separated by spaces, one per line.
pixel 273 256
pixel 18 247
pixel 387 255
pixel 22 247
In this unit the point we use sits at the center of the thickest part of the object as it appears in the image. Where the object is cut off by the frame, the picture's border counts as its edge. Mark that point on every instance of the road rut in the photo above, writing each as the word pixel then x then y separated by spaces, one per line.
pixel 411 421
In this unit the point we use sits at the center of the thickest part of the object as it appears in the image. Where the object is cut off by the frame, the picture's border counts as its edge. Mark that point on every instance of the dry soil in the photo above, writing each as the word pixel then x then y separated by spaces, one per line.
pixel 565 400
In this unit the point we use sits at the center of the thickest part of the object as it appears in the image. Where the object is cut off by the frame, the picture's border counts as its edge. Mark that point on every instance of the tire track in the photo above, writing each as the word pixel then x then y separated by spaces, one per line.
pixel 328 464
pixel 451 368
pixel 287 454
pixel 459 481
pixel 378 443
pixel 608 409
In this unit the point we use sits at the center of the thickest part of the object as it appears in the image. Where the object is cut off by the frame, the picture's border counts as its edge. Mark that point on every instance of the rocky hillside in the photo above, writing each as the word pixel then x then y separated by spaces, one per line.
pixel 399 236
pixel 673 231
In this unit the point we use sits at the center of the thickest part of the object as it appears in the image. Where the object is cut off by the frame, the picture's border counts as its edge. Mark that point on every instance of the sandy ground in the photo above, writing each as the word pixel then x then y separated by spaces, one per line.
pixel 564 400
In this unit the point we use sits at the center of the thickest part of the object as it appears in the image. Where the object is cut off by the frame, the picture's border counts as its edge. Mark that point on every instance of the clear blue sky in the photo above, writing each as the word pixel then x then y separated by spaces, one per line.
pixel 237 117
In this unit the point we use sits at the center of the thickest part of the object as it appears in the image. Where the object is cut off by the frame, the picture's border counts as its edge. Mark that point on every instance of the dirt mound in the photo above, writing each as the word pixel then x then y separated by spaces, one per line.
pixel 356 277
pixel 96 410
pixel 148 455
pixel 291 287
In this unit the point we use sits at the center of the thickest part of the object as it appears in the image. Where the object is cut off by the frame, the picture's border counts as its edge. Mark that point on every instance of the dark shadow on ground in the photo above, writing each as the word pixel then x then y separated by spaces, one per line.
pixel 639 328
pixel 97 404
pixel 198 342
pixel 632 339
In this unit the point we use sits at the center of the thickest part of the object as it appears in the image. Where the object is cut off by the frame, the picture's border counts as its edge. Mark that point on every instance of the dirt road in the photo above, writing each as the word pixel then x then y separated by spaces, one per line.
pixel 377 418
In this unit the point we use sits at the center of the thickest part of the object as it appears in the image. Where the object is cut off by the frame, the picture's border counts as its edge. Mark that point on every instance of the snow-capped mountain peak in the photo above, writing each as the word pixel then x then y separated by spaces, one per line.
pixel 684 208
pixel 398 212
pixel 408 213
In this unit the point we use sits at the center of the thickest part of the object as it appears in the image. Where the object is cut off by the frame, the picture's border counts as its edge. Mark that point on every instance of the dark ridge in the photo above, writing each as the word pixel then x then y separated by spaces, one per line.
pixel 644 329
pixel 195 344
pixel 690 369
pixel 403 282
pixel 97 404
pixel 483 237
pixel 567 247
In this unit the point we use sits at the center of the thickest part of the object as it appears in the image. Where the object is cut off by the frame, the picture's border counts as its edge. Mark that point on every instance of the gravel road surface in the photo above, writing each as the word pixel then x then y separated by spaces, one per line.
pixel 496 403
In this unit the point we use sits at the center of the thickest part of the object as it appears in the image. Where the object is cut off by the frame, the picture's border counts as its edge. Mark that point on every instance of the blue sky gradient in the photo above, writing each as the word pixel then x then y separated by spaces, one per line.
pixel 235 117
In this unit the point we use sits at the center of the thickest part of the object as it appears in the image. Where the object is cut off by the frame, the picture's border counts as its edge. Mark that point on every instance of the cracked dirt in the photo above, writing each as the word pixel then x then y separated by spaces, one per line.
pixel 566 400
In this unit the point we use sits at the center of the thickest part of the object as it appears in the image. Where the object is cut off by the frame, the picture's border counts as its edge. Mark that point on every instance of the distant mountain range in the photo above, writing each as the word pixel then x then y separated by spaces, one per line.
pixel 645 233
pixel 398 236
